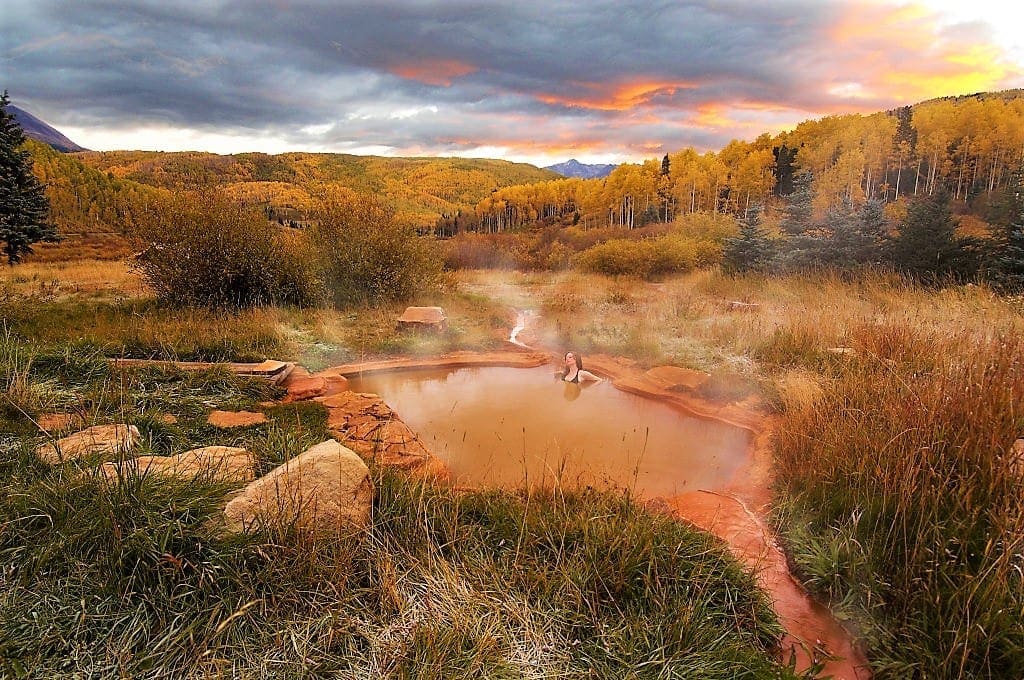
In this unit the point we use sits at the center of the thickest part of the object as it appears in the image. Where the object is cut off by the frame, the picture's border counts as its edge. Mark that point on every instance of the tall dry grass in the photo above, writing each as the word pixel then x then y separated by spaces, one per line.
pixel 902 503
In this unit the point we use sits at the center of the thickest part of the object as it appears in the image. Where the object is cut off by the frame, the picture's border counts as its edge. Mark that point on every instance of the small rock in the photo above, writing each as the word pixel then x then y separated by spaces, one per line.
pixel 57 422
pixel 326 488
pixel 226 419
pixel 423 317
pixel 168 419
pixel 105 439
pixel 737 306
pixel 222 463
pixel 842 351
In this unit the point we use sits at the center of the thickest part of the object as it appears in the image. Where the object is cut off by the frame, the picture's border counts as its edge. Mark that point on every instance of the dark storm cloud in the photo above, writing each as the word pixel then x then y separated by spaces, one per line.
pixel 419 74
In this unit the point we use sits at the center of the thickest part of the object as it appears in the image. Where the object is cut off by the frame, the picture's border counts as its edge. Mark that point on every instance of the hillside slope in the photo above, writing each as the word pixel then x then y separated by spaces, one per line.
pixel 42 132
pixel 86 205
pixel 286 185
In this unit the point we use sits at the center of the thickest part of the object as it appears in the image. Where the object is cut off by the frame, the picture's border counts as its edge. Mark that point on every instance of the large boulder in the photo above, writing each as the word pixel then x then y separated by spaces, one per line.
pixel 326 488
pixel 221 463
pixel 98 439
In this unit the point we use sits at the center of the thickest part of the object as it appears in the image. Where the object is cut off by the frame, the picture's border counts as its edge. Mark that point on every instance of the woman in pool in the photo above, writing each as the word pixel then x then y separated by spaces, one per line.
pixel 573 370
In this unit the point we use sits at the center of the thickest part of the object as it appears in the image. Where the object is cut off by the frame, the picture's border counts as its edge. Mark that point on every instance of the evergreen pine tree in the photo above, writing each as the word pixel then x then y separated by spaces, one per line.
pixel 926 247
pixel 751 250
pixel 1011 246
pixel 665 187
pixel 785 157
pixel 24 208
pixel 863 244
pixel 798 214
pixel 844 243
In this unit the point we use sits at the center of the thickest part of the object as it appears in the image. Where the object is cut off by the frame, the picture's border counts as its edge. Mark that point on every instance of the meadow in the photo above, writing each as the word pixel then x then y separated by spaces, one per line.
pixel 896 494
pixel 138 578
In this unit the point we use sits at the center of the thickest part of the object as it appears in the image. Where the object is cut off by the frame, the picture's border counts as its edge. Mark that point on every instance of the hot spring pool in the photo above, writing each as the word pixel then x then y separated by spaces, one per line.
pixel 508 427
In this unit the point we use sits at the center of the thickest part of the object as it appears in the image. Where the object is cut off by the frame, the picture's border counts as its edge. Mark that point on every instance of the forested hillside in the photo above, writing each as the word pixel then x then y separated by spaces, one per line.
pixel 286 185
pixel 87 206
pixel 968 146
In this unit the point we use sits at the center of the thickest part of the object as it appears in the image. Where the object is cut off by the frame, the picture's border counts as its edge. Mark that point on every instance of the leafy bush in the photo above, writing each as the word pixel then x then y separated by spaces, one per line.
pixel 368 255
pixel 649 257
pixel 203 249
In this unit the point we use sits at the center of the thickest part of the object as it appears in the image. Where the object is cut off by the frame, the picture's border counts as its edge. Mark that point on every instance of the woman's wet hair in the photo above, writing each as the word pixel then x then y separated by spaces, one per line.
pixel 577 357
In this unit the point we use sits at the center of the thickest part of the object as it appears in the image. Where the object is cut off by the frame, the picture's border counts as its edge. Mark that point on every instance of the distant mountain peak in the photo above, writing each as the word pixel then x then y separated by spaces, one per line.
pixel 42 132
pixel 573 168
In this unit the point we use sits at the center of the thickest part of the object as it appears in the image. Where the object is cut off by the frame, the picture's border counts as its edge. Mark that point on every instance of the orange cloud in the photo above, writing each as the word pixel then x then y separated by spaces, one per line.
pixel 905 54
pixel 437 72
pixel 617 96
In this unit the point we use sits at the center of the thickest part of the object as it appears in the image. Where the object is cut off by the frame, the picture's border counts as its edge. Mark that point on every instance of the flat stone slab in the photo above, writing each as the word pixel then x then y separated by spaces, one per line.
pixel 105 439
pixel 326 488
pixel 275 371
pixel 366 424
pixel 432 317
pixel 222 463
pixel 226 419
pixel 59 422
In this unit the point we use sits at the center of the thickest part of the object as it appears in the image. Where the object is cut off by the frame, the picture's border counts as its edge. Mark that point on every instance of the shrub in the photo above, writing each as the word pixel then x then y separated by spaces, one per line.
pixel 485 251
pixel 648 258
pixel 619 257
pixel 368 255
pixel 203 249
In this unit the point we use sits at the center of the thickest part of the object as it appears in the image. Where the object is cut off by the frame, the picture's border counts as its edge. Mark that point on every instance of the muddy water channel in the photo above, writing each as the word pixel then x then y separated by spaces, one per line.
pixel 511 427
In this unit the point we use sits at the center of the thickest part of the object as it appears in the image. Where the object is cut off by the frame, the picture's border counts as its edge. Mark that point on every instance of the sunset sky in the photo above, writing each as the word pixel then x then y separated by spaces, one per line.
pixel 531 81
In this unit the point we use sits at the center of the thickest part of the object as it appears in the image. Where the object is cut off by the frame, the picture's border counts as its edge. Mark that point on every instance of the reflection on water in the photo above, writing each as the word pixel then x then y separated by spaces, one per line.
pixel 510 426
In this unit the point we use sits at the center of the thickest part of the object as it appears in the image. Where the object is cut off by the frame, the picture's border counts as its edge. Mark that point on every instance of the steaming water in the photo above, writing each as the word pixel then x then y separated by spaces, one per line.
pixel 510 426
pixel 521 319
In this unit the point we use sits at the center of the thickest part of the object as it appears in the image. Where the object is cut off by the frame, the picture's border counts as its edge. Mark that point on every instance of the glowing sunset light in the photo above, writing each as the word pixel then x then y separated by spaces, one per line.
pixel 618 97
pixel 401 77
pixel 439 72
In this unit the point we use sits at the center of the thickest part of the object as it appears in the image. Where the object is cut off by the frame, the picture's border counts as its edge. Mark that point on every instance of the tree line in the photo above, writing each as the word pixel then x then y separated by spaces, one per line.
pixel 968 147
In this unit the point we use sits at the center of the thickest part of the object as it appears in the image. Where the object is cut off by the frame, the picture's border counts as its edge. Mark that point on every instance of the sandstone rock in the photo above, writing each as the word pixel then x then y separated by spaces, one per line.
pixel 168 419
pixel 105 439
pixel 58 422
pixel 326 488
pixel 423 317
pixel 222 463
pixel 226 419
pixel 368 426
pixel 300 389
pixel 676 379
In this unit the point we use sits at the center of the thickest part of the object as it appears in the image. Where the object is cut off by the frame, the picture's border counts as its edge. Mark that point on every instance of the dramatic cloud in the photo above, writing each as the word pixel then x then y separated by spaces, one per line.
pixel 529 80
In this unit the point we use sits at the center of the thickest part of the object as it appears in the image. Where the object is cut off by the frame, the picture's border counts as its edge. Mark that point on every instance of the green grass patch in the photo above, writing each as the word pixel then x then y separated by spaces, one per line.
pixel 143 328
pixel 138 578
